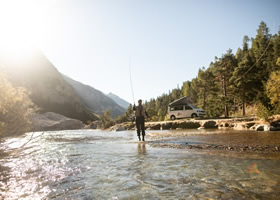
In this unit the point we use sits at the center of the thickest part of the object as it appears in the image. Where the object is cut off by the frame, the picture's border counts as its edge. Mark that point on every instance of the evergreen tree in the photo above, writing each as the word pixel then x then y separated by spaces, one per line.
pixel 263 52
pixel 194 91
pixel 186 89
pixel 243 76
pixel 224 68
pixel 206 84
pixel 276 50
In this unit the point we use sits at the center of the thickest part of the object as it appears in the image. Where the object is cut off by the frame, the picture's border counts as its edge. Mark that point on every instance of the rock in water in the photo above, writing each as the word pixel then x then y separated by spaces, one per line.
pixel 263 127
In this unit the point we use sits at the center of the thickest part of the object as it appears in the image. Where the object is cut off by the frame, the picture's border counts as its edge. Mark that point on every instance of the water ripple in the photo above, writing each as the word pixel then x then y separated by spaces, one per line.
pixel 108 165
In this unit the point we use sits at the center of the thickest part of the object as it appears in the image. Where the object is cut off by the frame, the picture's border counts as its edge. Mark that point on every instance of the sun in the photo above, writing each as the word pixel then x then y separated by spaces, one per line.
pixel 21 23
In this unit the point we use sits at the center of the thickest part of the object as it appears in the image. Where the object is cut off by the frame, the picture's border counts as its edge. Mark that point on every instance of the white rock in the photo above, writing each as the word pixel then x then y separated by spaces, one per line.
pixel 263 127
pixel 52 121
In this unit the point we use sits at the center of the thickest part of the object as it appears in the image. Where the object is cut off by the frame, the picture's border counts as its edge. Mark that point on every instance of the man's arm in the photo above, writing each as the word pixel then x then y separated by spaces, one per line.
pixel 134 107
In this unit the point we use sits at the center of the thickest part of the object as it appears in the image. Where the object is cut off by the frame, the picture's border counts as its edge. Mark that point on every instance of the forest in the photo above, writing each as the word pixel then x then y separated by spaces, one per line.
pixel 233 85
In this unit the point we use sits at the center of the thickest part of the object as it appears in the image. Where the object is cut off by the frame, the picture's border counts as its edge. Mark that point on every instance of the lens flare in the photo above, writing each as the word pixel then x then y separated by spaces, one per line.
pixel 253 169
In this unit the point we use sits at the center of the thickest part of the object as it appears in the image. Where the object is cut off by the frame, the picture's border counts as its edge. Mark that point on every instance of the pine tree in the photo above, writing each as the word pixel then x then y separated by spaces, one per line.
pixel 206 84
pixel 224 68
pixel 243 75
pixel 276 50
pixel 263 51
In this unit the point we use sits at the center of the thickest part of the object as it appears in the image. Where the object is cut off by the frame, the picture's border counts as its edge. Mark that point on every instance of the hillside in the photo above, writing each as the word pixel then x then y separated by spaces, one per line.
pixel 47 87
pixel 94 99
pixel 121 102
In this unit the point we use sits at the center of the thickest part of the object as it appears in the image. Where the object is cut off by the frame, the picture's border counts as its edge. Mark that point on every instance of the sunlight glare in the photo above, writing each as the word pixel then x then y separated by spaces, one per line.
pixel 21 23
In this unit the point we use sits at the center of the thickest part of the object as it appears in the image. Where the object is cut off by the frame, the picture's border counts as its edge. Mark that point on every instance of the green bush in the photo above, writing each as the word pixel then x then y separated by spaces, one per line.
pixel 106 119
pixel 15 109
pixel 263 112
pixel 273 90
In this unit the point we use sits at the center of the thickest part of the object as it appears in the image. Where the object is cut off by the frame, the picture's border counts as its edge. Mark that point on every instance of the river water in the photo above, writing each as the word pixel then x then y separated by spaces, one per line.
pixel 88 164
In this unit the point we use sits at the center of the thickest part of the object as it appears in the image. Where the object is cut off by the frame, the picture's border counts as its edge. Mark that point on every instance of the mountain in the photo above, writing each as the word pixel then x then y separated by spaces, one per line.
pixel 94 99
pixel 48 89
pixel 121 102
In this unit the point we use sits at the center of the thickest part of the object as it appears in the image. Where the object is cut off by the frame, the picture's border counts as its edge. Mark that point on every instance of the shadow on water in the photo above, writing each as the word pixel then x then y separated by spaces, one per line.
pixel 110 165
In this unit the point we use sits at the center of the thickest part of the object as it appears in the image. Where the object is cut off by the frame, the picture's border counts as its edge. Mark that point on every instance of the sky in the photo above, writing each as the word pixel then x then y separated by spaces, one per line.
pixel 162 42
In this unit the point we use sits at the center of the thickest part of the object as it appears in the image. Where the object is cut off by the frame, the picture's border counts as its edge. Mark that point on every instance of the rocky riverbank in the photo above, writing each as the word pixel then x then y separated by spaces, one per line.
pixel 232 123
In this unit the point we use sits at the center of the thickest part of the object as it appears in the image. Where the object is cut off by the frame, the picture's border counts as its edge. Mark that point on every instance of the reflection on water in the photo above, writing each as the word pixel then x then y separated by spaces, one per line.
pixel 141 148
pixel 104 165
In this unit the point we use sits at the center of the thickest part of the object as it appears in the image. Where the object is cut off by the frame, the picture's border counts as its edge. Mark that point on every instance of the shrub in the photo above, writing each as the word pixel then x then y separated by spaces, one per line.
pixel 263 112
pixel 106 119
pixel 273 90
pixel 15 109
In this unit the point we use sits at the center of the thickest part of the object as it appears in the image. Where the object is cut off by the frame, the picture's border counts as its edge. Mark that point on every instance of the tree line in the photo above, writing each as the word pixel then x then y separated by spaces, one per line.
pixel 233 82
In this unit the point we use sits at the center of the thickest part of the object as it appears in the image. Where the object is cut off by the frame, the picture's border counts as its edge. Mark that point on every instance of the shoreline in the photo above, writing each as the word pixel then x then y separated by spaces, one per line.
pixel 248 123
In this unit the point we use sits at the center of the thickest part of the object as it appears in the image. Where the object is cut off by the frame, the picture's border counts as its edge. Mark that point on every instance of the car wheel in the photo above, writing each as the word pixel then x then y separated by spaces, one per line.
pixel 194 115
pixel 172 117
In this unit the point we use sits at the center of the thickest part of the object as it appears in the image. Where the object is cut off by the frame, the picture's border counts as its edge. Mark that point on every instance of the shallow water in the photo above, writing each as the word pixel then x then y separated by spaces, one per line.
pixel 110 165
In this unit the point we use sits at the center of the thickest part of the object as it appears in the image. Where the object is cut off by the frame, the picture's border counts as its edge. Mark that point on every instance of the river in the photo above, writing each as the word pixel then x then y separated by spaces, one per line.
pixel 92 164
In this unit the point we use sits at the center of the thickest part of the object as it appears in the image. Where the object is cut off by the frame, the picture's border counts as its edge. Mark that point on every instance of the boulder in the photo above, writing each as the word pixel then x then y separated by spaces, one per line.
pixel 210 124
pixel 166 125
pixel 276 125
pixel 154 126
pixel 263 127
pixel 52 122
pixel 224 125
pixel 186 125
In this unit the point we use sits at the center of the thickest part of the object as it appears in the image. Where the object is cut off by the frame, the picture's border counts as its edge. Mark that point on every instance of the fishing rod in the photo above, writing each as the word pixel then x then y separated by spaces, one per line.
pixel 131 85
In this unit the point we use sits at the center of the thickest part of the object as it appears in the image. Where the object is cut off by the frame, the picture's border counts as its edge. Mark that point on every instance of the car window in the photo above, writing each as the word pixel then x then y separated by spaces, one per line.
pixel 179 108
pixel 187 107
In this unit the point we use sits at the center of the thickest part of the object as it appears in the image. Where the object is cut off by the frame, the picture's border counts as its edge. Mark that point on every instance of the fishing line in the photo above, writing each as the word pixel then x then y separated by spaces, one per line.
pixel 131 85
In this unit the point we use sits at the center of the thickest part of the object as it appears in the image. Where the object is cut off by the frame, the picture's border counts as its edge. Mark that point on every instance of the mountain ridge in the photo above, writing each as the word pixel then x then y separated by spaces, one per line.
pixel 47 88
pixel 121 102
pixel 94 99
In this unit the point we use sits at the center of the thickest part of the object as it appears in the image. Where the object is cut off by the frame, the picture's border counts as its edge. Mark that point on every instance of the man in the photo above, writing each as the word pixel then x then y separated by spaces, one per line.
pixel 140 113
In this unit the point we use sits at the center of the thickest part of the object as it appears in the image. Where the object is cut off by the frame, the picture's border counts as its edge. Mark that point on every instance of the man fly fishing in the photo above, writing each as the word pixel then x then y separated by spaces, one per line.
pixel 140 113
